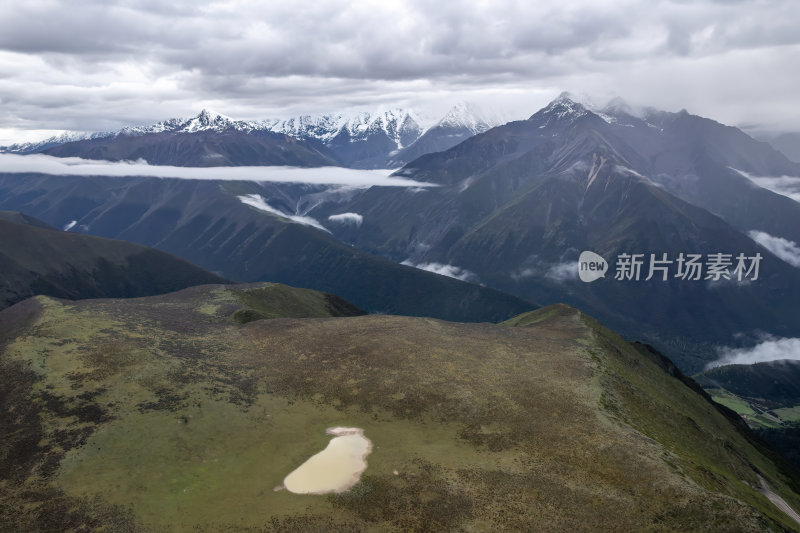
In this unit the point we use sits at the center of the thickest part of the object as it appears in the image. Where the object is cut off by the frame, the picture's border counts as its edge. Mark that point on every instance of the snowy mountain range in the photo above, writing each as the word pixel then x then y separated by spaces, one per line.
pixel 400 125
pixel 359 139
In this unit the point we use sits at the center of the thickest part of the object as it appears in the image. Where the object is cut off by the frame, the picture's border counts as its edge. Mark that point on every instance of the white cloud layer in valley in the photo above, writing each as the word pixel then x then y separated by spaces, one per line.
pixel 787 250
pixel 75 166
pixel 788 186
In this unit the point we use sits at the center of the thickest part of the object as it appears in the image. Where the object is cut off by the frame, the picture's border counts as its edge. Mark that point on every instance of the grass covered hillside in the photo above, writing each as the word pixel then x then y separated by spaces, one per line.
pixel 37 259
pixel 173 413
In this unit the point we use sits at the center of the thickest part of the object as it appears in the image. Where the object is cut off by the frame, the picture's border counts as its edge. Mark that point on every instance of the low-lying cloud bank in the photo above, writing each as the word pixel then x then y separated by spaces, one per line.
pixel 558 272
pixel 788 186
pixel 771 349
pixel 257 201
pixel 76 166
pixel 783 248
pixel 450 271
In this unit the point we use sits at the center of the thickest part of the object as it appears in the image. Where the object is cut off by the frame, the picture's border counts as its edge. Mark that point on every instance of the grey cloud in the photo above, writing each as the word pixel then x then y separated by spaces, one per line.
pixel 788 186
pixel 347 218
pixel 450 271
pixel 95 62
pixel 787 250
pixel 770 349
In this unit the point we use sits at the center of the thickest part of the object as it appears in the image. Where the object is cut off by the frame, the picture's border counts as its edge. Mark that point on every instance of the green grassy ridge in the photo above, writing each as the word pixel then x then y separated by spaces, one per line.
pixel 166 414
pixel 274 300
pixel 710 445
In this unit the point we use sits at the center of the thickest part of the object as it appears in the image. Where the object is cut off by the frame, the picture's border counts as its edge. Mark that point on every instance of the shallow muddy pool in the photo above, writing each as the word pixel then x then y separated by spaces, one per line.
pixel 336 468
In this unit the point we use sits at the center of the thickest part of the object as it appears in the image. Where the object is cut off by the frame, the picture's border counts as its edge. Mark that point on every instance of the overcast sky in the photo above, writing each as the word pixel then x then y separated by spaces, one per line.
pixel 101 64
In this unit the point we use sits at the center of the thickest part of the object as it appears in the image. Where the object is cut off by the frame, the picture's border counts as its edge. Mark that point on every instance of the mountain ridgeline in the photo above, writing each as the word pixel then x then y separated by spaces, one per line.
pixel 383 139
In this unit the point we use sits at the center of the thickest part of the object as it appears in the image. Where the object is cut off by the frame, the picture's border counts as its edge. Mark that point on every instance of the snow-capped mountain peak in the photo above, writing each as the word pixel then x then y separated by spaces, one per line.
pixel 62 138
pixel 567 105
pixel 206 120
pixel 470 116
pixel 399 125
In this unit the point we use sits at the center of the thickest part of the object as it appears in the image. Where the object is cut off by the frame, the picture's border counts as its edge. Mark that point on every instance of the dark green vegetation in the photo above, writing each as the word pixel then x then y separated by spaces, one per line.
pixel 766 395
pixel 204 222
pixel 775 383
pixel 38 259
pixel 785 439
pixel 274 300
pixel 165 413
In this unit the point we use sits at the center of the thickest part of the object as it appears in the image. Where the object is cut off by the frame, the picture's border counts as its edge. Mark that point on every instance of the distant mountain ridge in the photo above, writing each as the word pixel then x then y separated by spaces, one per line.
pixel 359 139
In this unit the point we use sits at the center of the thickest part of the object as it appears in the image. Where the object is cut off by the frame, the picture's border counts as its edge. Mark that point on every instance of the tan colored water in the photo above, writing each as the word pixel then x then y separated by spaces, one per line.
pixel 336 468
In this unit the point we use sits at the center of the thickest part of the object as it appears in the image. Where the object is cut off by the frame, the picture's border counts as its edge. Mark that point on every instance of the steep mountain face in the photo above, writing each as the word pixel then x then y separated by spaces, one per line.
pixel 37 259
pixel 707 164
pixel 215 225
pixel 551 422
pixel 517 204
pixel 205 140
pixel 460 123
